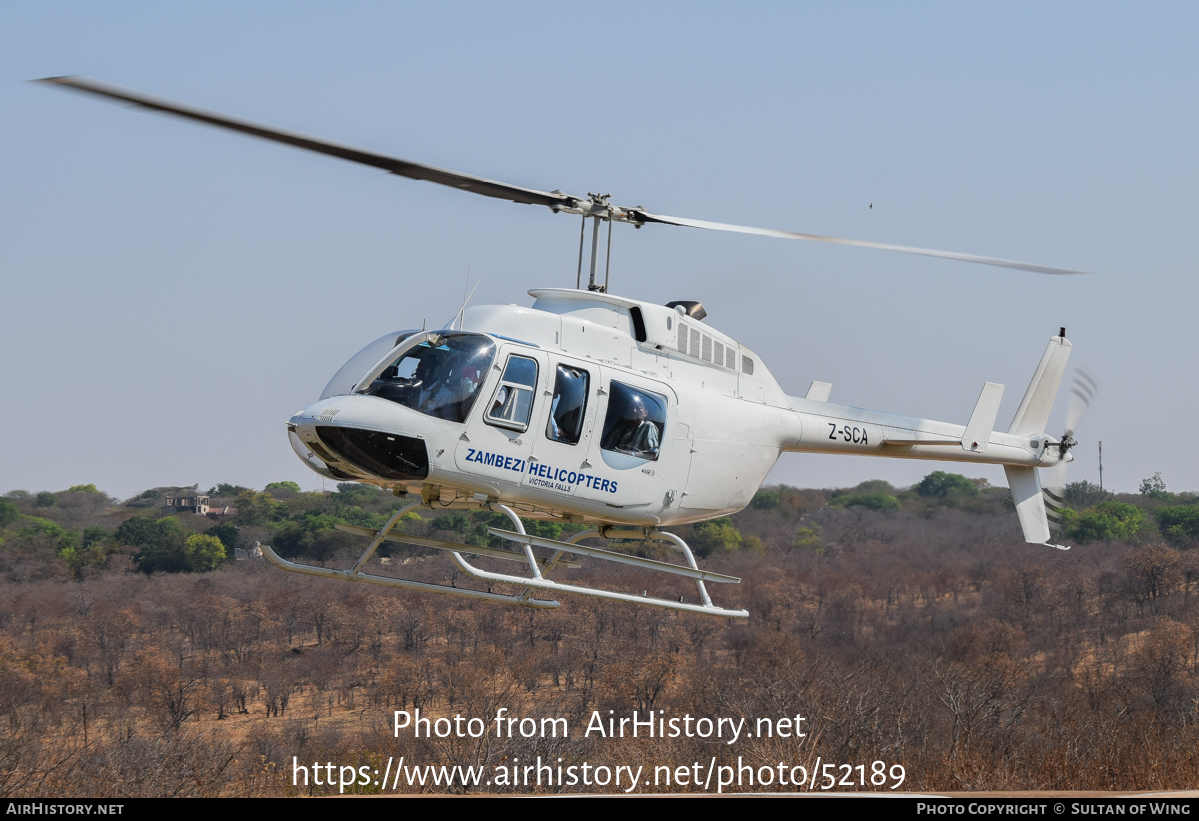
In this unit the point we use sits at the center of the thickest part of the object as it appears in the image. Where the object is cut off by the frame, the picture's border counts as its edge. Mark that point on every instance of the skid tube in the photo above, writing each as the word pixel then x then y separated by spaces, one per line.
pixel 536 564
pixel 354 574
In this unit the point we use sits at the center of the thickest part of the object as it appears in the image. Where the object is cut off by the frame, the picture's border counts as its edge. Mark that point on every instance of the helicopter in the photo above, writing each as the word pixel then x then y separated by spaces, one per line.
pixel 593 408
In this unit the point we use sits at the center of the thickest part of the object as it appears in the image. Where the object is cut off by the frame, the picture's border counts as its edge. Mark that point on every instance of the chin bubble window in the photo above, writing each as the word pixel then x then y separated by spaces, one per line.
pixel 569 405
pixel 513 402
pixel 635 422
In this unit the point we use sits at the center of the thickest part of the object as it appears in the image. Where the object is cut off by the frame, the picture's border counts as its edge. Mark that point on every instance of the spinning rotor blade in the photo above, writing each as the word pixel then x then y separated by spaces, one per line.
pixel 1056 478
pixel 1086 388
pixel 903 249
pixel 404 168
pixel 590 206
pixel 1082 395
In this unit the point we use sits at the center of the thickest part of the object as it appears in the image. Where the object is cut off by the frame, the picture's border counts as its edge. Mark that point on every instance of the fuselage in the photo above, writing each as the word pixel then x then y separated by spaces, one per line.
pixel 590 406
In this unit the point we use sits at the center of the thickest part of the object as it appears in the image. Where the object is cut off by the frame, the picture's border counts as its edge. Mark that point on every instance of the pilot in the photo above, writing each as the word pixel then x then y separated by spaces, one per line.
pixel 444 393
pixel 432 387
pixel 423 374
pixel 638 435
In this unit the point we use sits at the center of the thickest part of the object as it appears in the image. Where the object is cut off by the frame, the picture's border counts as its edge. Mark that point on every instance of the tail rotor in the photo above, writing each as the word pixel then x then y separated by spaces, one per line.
pixel 1082 395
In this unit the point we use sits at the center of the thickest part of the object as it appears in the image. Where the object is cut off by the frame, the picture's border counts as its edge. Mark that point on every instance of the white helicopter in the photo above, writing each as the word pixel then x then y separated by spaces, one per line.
pixel 592 407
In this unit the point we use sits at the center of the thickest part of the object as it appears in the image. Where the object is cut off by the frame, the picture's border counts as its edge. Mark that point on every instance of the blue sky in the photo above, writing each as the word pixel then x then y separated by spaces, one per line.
pixel 172 294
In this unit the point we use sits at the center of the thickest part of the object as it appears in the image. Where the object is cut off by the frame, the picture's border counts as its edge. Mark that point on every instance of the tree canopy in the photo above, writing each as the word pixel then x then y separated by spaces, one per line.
pixel 942 485
pixel 9 513
pixel 1107 521
pixel 1155 488
pixel 1180 525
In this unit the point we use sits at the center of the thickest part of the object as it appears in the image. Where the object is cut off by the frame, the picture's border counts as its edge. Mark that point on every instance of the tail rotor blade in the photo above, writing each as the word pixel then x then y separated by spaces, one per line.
pixel 1082 395
pixel 1055 479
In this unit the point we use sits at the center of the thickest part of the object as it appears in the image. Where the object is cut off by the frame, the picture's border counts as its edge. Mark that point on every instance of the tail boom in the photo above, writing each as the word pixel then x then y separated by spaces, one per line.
pixel 819 427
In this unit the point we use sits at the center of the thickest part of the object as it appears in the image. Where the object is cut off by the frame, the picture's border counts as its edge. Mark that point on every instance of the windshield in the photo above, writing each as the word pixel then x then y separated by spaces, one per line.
pixel 439 377
pixel 347 375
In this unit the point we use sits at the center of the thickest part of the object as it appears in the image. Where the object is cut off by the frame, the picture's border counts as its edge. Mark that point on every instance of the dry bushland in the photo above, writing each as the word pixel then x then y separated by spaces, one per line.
pixel 933 639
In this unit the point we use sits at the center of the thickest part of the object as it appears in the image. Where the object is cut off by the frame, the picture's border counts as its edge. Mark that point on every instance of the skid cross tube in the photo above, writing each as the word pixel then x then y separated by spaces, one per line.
pixel 609 555
pixel 681 546
pixel 540 582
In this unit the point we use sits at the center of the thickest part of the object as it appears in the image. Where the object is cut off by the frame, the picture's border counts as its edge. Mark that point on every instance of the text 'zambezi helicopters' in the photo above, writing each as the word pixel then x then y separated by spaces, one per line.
pixel 591 407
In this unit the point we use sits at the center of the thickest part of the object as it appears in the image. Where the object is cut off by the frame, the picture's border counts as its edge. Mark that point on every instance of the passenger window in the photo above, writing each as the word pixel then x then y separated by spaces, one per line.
pixel 635 422
pixel 513 402
pixel 568 406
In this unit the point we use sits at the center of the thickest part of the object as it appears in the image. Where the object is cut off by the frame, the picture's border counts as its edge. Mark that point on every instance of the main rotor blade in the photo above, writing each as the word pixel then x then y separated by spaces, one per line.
pixel 556 200
pixel 638 215
pixel 404 168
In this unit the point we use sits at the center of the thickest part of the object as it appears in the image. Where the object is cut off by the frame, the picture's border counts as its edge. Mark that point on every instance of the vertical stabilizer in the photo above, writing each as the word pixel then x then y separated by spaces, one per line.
pixel 1030 504
pixel 1033 413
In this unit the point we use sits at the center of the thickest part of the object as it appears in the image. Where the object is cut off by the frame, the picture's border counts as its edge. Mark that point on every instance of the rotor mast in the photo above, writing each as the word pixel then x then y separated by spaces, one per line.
pixel 597 207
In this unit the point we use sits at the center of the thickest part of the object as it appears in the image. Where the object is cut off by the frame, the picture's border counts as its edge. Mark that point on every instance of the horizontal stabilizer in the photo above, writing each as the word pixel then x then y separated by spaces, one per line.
pixel 819 391
pixel 982 421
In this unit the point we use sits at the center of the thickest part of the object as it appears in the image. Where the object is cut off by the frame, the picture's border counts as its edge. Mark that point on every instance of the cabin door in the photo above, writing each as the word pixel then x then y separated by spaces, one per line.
pixel 498 442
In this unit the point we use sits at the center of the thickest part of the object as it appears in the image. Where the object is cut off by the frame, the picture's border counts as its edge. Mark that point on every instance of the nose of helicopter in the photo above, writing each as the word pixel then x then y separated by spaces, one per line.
pixel 360 438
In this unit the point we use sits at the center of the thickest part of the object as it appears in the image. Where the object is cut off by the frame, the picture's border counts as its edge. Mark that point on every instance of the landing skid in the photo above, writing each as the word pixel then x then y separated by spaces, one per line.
pixel 539 566
pixel 354 574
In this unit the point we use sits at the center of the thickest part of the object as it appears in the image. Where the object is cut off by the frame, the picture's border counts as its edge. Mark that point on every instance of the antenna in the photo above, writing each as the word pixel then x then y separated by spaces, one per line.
pixel 458 316
pixel 465 282
pixel 1101 464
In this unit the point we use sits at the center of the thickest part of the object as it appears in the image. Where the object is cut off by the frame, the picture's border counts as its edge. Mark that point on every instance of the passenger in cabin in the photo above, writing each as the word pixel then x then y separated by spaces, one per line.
pixel 633 432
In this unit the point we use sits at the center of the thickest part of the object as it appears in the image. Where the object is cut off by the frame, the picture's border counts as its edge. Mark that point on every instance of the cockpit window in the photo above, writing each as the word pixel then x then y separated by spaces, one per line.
pixel 439 377
pixel 569 405
pixel 635 422
pixel 349 374
pixel 513 402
